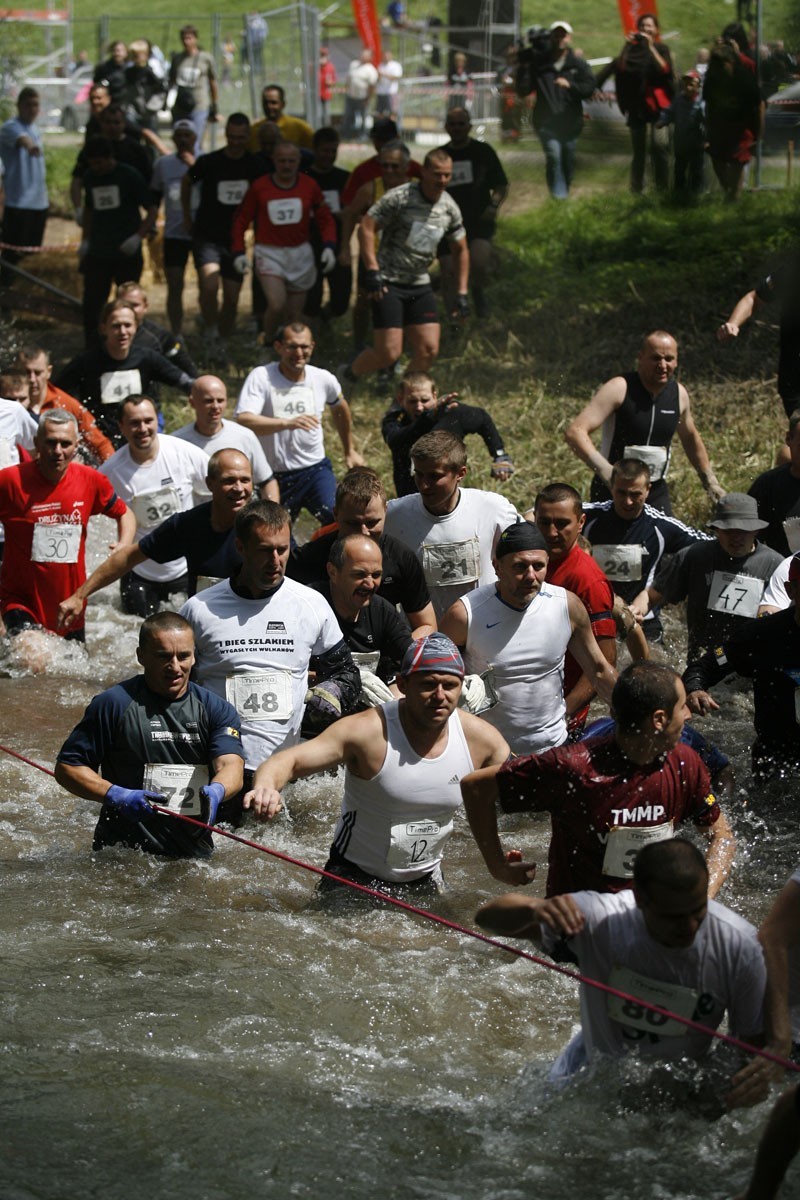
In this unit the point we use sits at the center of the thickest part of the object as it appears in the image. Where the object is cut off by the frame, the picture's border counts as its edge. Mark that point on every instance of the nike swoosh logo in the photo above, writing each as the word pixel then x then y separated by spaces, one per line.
pixel 492 624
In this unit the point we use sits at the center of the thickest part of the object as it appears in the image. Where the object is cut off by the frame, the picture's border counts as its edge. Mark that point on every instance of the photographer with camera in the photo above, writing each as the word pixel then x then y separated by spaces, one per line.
pixel 560 81
pixel 645 84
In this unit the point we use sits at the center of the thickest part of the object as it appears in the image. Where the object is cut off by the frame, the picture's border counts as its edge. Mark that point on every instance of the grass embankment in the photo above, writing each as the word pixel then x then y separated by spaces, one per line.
pixel 576 287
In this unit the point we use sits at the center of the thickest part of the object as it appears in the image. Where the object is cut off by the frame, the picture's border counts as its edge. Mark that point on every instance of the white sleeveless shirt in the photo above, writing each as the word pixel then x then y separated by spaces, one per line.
pixel 524 650
pixel 394 826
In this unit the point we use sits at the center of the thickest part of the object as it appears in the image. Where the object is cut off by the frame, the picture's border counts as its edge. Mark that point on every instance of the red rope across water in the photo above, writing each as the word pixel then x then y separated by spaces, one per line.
pixel 786 1063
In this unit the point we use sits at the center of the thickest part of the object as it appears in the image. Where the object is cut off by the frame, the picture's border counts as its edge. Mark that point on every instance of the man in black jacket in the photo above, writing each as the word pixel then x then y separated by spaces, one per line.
pixel 561 81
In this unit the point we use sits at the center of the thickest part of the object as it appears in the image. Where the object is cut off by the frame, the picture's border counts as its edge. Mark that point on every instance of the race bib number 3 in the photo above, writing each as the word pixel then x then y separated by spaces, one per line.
pixel 625 843
pixel 263 696
pixel 179 784
pixel 417 843
pixel 739 595
pixel 288 211
pixel 56 543
pixel 675 997
pixel 151 508
pixel 116 385
pixel 619 563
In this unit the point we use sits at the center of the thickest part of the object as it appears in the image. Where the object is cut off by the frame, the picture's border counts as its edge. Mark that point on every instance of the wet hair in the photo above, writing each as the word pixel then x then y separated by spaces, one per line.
pixel 133 401
pixel 440 446
pixel 642 689
pixel 630 469
pixel 327 135
pixel 15 375
pixel 339 548
pixel 115 306
pixel 28 353
pixel 57 416
pixel 359 484
pixel 214 470
pixel 436 156
pixel 673 863
pixel 274 87
pixel 557 493
pixel 396 145
pixel 162 622
pixel 260 512
pixel 237 118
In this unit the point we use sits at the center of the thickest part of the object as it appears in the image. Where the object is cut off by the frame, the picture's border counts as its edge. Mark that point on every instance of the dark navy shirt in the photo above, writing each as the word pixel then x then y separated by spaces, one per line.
pixel 189 535
pixel 128 726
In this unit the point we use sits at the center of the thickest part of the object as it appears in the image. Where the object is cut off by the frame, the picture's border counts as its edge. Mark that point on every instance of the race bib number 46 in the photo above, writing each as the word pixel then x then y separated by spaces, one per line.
pixel 293 402
pixel 56 543
pixel 262 696
pixel 179 784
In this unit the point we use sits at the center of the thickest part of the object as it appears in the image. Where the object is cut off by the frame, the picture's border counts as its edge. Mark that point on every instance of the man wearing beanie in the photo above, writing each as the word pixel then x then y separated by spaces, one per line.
pixel 403 766
pixel 517 630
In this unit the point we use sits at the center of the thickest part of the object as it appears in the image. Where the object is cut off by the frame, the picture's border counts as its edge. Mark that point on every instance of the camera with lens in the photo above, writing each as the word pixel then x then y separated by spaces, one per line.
pixel 531 57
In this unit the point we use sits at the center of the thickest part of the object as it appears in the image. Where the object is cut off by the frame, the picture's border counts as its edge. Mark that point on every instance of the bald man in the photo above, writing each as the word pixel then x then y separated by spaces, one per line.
pixel 203 535
pixel 639 414
pixel 211 432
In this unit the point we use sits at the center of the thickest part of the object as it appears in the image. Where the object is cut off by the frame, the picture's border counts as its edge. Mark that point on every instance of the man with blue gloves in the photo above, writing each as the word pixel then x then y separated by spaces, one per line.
pixel 156 739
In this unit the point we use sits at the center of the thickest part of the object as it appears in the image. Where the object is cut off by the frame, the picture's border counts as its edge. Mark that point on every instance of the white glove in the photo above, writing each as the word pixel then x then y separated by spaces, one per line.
pixel 473 696
pixel 327 260
pixel 374 692
pixel 241 263
pixel 131 245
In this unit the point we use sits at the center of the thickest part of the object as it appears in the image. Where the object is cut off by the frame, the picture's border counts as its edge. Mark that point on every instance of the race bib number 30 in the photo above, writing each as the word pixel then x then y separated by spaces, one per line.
pixel 179 784
pixel 56 543
pixel 739 595
pixel 451 562
pixel 417 843
pixel 262 696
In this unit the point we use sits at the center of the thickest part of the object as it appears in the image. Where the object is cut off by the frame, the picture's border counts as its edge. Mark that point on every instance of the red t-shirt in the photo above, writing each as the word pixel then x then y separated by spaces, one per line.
pixel 29 501
pixel 590 788
pixel 282 215
pixel 579 573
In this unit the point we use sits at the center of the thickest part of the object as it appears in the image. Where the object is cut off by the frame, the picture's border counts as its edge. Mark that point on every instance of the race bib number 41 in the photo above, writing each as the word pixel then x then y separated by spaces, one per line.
pixel 262 696
pixel 116 385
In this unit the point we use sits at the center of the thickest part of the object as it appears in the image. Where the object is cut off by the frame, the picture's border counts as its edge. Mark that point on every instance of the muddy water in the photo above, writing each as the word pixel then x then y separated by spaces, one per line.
pixel 206 1030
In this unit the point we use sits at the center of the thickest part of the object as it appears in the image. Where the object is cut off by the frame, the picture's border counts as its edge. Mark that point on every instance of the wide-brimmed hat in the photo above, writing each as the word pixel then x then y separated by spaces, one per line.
pixel 737 511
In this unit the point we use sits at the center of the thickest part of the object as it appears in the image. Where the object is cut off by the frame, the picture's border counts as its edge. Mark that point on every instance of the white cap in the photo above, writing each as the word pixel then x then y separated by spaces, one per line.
pixel 565 25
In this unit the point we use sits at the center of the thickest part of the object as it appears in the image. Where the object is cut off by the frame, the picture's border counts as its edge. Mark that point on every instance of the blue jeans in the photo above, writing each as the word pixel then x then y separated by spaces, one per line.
pixel 312 488
pixel 559 163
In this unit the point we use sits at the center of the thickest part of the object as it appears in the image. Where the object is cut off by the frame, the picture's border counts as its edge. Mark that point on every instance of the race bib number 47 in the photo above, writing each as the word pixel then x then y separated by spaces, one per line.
pixel 738 595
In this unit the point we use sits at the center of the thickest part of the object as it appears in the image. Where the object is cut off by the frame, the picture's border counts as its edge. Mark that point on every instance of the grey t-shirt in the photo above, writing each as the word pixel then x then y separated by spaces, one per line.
pixel 411 229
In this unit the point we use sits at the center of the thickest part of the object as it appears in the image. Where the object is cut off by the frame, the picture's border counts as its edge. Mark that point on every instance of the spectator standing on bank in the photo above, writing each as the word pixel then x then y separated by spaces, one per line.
pixel 387 92
pixel 362 79
pixel 327 78
pixel 23 177
pixel 193 75
pixel 111 73
pixel 734 114
pixel 687 114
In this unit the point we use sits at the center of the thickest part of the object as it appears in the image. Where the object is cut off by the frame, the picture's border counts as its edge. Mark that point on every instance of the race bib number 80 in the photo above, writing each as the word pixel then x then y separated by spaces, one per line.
pixel 642 1022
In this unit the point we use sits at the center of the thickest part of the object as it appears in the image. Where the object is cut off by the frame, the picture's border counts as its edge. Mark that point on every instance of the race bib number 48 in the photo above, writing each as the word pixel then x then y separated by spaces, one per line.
pixel 262 696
